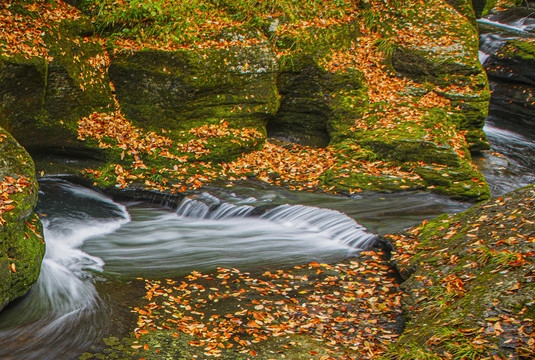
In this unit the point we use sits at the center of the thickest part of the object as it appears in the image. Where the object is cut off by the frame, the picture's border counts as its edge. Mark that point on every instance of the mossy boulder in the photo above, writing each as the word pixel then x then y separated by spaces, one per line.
pixel 471 288
pixel 459 78
pixel 46 93
pixel 21 237
pixel 182 89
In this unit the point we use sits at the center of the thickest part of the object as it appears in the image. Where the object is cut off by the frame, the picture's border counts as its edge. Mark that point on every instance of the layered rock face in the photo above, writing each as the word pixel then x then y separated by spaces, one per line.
pixel 385 105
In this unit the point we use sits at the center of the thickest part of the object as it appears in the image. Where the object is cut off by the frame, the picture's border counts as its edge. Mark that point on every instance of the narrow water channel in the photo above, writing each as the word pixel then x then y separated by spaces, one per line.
pixel 510 129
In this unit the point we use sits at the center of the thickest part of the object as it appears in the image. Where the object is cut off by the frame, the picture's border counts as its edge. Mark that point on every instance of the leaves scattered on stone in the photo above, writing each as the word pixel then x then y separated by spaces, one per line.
pixel 472 287
pixel 8 187
pixel 23 34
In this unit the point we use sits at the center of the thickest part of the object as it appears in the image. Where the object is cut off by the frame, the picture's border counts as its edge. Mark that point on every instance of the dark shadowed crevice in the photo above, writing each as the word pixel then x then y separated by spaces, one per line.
pixel 304 112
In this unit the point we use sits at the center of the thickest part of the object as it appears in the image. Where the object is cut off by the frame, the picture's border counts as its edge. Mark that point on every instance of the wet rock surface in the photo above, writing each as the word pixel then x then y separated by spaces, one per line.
pixel 508 41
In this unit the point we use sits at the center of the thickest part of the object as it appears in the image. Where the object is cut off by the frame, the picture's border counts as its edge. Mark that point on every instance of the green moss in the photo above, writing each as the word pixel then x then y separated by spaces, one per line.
pixel 21 235
pixel 483 7
pixel 163 345
pixel 519 49
pixel 468 278
pixel 345 183
pixel 188 87
pixel 53 93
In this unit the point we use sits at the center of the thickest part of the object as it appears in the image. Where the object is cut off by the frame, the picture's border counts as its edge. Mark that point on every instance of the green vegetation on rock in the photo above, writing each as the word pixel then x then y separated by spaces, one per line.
pixel 334 76
pixel 21 236
pixel 470 290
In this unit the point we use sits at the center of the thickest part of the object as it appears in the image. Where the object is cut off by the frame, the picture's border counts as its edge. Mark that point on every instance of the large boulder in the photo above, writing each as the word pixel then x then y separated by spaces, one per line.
pixel 470 285
pixel 46 92
pixel 21 237
pixel 178 90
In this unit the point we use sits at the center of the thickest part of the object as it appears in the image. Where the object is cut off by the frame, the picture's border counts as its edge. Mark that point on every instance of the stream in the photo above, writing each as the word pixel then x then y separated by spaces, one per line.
pixel 511 163
pixel 93 240
pixel 97 247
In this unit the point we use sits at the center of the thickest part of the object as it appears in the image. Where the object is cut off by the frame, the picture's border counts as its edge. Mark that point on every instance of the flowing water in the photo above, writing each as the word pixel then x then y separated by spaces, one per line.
pixel 512 163
pixel 95 243
pixel 65 298
pixel 97 247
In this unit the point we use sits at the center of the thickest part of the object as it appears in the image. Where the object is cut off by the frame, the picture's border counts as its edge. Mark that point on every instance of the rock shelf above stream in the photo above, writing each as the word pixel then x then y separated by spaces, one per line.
pixel 364 102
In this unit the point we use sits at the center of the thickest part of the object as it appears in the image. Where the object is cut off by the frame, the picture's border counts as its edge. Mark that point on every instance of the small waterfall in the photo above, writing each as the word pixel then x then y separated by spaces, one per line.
pixel 193 208
pixel 331 223
pixel 226 210
pixel 490 44
pixel 517 26
pixel 218 210
pixel 499 28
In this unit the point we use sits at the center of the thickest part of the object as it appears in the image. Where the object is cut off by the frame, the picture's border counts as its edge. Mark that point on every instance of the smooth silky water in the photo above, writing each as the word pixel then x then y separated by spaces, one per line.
pixel 96 247
pixel 95 243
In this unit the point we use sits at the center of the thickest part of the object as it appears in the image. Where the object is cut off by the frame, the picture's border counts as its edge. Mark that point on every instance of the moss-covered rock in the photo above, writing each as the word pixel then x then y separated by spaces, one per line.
pixel 182 89
pixel 471 290
pixel 369 90
pixel 459 78
pixel 46 93
pixel 21 237
pixel 313 110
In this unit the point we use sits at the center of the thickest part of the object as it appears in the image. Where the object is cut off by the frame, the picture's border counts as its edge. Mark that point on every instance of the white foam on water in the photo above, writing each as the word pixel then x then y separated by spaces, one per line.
pixel 64 300
pixel 330 223
pixel 518 25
